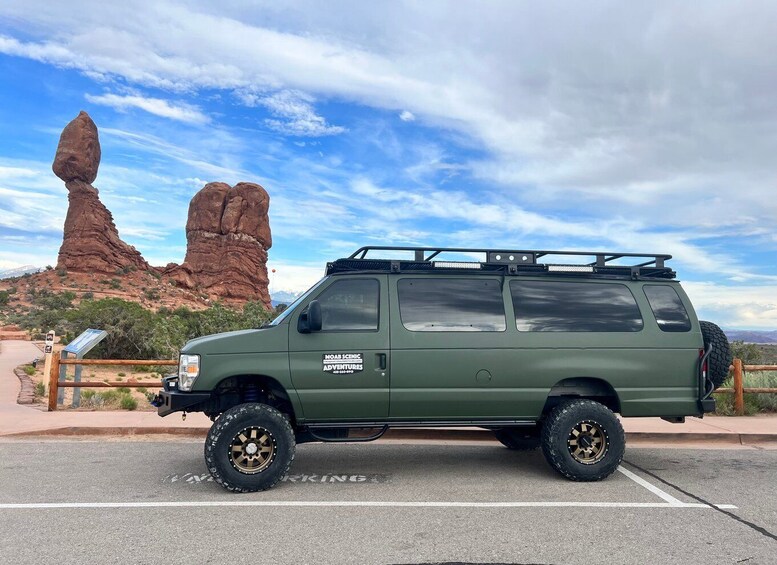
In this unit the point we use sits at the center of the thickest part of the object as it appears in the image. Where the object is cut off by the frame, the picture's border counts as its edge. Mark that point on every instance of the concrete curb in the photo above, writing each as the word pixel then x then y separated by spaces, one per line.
pixel 399 434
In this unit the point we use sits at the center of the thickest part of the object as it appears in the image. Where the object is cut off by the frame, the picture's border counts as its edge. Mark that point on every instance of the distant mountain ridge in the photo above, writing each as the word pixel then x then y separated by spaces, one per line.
pixel 19 271
pixel 752 336
pixel 284 297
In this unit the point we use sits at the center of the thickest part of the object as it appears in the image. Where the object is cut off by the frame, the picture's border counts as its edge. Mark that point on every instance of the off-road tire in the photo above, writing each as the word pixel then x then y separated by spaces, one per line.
pixel 720 358
pixel 227 428
pixel 557 432
pixel 518 439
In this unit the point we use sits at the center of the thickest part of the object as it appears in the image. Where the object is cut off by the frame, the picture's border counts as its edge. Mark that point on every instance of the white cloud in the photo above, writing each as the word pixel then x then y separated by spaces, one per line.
pixel 179 111
pixel 740 306
pixel 407 116
pixel 297 114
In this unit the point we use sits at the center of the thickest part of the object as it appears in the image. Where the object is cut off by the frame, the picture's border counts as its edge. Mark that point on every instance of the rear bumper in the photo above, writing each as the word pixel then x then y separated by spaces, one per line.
pixel 707 405
pixel 172 400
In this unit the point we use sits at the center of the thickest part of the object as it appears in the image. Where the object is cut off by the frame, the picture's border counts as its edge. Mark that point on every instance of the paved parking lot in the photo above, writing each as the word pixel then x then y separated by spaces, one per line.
pixel 149 502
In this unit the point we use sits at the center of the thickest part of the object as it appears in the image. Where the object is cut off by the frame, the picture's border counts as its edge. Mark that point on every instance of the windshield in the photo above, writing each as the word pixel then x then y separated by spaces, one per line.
pixel 283 315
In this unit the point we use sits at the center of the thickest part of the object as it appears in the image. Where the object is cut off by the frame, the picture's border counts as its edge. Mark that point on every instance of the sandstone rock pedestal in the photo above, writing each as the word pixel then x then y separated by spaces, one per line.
pixel 228 235
pixel 91 242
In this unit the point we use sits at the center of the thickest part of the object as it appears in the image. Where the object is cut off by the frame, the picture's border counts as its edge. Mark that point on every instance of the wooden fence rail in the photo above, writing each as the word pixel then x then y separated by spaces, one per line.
pixel 55 384
pixel 739 389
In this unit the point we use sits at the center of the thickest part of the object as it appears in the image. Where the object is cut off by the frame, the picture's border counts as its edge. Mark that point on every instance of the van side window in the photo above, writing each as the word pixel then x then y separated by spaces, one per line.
pixel 350 305
pixel 451 305
pixel 667 308
pixel 574 307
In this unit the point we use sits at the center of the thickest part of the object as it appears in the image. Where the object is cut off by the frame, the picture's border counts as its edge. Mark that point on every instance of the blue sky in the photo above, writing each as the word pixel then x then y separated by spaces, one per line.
pixel 524 125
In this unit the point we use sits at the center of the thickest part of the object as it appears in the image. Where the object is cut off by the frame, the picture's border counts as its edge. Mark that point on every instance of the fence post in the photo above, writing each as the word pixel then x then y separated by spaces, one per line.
pixel 739 397
pixel 53 383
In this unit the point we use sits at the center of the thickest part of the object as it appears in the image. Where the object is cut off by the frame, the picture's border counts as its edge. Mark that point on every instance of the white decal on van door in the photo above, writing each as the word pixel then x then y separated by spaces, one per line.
pixel 343 363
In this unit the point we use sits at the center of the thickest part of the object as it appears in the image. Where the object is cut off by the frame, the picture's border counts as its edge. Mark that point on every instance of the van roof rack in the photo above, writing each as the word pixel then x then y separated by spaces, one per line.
pixel 598 264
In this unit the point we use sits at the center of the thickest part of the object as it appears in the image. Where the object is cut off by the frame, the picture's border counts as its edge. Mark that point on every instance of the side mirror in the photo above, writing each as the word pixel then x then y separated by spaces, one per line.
pixel 310 319
pixel 314 316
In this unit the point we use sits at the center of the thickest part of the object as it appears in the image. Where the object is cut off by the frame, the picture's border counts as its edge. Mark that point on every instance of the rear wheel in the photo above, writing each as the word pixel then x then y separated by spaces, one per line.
pixel 249 448
pixel 519 439
pixel 583 440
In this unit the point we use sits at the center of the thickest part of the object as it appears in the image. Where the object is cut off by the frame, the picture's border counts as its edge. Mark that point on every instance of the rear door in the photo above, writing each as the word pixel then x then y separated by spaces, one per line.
pixel 452 349
pixel 341 373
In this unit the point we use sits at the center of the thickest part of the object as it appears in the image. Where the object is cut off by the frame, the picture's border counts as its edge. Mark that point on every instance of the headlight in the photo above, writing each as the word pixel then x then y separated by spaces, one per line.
pixel 188 371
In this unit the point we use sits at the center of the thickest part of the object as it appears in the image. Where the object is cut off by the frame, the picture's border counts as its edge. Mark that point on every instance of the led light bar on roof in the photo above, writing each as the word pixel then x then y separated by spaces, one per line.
pixel 456 265
pixel 570 269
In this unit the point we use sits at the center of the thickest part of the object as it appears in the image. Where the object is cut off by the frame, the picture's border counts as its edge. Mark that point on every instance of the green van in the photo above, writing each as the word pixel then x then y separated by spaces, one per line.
pixel 542 347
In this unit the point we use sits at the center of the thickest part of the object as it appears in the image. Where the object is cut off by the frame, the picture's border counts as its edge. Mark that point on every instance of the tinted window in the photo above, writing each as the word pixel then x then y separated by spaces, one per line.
pixel 574 307
pixel 451 305
pixel 350 305
pixel 667 308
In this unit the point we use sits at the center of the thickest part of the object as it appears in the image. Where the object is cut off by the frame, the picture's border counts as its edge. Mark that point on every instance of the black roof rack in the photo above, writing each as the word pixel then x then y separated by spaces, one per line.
pixel 512 262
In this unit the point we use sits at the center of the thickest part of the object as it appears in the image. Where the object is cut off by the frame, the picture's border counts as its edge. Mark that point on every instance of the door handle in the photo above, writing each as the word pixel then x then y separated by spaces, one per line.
pixel 380 361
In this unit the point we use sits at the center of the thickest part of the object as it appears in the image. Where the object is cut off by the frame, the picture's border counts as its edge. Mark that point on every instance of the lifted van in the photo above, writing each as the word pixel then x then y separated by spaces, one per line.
pixel 542 347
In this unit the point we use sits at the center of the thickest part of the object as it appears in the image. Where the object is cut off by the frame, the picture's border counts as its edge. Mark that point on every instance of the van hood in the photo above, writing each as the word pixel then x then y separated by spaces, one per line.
pixel 265 340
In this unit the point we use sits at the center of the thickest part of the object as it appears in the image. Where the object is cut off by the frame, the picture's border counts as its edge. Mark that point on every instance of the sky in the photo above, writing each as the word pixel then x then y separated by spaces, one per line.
pixel 639 127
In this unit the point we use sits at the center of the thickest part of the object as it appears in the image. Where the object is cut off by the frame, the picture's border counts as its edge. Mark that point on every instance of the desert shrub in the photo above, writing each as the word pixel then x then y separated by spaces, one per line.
pixel 40 389
pixel 747 352
pixel 5 296
pixel 87 296
pixel 128 402
pixel 151 294
pixel 122 374
pixel 115 284
pixel 87 394
pixel 141 389
pixel 123 390
pixel 29 369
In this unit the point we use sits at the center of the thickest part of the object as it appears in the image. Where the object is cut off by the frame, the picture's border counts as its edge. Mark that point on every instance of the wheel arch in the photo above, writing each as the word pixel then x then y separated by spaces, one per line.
pixel 592 388
pixel 256 387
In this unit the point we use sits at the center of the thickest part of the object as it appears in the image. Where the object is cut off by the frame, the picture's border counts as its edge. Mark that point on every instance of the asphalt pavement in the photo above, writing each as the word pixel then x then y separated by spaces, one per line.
pixel 393 502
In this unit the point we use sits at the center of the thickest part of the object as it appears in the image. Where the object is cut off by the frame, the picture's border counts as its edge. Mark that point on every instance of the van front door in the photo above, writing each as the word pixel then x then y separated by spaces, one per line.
pixel 341 372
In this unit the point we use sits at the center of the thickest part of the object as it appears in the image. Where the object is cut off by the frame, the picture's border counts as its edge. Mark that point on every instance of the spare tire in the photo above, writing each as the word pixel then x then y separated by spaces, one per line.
pixel 720 358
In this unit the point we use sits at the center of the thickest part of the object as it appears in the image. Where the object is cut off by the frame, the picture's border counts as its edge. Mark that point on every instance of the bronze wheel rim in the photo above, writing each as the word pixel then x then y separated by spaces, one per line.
pixel 587 442
pixel 252 450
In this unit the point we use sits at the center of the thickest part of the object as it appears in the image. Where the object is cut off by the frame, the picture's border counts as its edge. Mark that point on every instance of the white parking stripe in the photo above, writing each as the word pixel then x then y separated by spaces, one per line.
pixel 340 503
pixel 651 487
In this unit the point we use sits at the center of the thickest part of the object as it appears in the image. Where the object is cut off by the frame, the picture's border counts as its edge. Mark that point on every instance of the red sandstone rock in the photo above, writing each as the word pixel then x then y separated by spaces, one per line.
pixel 228 235
pixel 78 152
pixel 91 242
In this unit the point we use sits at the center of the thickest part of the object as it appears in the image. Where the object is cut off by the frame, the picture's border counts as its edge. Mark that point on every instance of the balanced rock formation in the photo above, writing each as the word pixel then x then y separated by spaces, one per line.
pixel 228 235
pixel 91 242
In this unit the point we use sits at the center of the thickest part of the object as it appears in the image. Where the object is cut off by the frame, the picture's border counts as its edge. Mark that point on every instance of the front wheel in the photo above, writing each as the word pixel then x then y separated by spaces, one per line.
pixel 249 448
pixel 583 440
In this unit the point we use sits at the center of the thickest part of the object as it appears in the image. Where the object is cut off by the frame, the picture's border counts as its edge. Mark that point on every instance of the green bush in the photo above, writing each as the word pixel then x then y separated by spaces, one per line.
pixel 87 394
pixel 123 390
pixel 109 396
pixel 40 389
pixel 122 374
pixel 128 403
pixel 747 352
pixel 4 297
pixel 754 403
pixel 29 369
pixel 141 389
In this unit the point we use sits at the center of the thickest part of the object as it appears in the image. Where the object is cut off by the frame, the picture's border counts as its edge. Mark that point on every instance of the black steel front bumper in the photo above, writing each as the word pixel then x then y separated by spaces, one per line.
pixel 170 399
